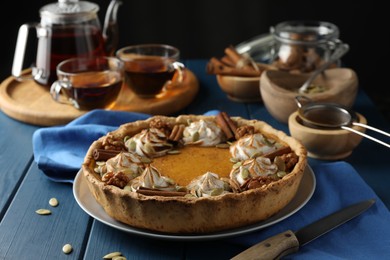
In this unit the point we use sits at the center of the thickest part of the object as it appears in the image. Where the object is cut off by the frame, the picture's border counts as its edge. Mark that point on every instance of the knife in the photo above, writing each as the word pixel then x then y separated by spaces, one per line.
pixel 289 242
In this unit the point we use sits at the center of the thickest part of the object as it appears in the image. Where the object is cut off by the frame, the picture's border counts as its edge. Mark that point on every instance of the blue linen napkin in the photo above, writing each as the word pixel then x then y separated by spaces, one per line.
pixel 338 185
pixel 59 151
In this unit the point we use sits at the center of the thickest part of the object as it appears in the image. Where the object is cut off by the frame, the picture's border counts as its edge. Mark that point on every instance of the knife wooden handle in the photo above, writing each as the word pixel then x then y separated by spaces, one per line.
pixel 272 248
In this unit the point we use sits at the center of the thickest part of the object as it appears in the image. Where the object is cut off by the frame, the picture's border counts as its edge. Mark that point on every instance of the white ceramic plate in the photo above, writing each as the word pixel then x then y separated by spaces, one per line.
pixel 88 203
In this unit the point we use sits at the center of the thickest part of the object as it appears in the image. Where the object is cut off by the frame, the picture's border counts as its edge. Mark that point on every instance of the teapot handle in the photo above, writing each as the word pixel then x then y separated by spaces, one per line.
pixel 20 50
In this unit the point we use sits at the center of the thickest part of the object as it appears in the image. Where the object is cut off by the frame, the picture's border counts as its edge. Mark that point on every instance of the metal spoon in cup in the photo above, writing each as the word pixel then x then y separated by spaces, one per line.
pixel 336 55
pixel 332 116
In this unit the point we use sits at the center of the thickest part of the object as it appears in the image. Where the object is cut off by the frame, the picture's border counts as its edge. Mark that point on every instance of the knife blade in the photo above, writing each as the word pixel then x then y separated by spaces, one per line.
pixel 289 242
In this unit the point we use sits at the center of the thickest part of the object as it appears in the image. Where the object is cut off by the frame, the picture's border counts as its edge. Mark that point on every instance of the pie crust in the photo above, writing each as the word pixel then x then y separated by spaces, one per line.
pixel 182 214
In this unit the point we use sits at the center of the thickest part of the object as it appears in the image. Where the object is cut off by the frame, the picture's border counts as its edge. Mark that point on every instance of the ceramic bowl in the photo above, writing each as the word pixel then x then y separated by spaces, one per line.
pixel 279 89
pixel 326 144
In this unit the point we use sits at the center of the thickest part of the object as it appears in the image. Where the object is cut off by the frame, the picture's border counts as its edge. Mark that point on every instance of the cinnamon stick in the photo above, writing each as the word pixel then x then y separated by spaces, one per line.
pixel 227 125
pixel 177 133
pixel 280 151
pixel 225 59
pixel 237 58
pixel 164 193
pixel 104 155
pixel 214 66
pixel 230 122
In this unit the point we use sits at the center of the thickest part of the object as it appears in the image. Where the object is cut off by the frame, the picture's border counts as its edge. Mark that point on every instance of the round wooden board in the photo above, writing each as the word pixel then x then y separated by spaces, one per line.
pixel 29 102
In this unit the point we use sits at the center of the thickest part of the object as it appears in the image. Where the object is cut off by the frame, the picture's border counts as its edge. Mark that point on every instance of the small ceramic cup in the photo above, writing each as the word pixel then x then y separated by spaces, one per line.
pixel 151 69
pixel 88 83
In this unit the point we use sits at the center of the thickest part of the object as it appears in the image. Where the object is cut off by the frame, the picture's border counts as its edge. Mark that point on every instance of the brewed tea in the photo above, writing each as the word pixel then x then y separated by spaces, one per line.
pixel 147 76
pixel 67 42
pixel 92 90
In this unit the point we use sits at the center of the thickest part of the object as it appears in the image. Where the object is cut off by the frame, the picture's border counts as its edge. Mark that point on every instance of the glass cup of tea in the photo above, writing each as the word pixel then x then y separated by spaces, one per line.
pixel 88 83
pixel 151 69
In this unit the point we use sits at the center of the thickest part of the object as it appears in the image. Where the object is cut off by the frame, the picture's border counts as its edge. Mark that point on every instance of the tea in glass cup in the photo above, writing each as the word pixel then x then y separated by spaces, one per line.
pixel 151 68
pixel 88 83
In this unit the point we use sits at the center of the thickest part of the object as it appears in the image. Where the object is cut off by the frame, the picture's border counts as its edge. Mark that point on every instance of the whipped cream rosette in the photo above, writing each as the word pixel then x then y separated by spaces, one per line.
pixel 151 142
pixel 207 185
pixel 204 133
pixel 128 163
pixel 252 168
pixel 251 146
pixel 151 178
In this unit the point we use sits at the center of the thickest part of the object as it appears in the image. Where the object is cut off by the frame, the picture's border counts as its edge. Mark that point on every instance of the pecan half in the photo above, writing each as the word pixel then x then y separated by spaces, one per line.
pixel 118 179
pixel 290 160
pixel 244 130
pixel 256 182
pixel 109 142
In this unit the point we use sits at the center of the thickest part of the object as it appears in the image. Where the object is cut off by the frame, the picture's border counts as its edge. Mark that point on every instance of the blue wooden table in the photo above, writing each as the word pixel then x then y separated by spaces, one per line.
pixel 24 189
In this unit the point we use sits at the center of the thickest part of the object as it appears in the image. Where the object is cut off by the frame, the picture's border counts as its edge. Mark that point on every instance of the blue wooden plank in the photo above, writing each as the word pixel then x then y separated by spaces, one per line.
pixel 26 235
pixel 15 156
pixel 104 239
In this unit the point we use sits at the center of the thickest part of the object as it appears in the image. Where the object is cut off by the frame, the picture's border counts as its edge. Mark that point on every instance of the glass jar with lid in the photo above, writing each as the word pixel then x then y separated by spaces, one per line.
pixel 302 46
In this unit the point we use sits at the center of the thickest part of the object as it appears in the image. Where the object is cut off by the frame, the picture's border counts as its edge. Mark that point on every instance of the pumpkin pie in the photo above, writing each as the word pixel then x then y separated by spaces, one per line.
pixel 194 174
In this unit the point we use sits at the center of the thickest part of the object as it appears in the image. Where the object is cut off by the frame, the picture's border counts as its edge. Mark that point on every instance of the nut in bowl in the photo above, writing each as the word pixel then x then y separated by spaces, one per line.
pixel 238 75
pixel 279 89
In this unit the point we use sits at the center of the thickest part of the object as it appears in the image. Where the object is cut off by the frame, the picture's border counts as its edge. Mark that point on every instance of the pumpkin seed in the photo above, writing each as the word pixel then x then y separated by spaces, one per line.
pixel 195 137
pixel 216 191
pixel 111 255
pixel 234 160
pixel 255 155
pixel 119 257
pixel 43 212
pixel 132 145
pixel 100 163
pixel 127 187
pixel 148 148
pixel 53 202
pixel 237 165
pixel 181 188
pixel 67 248
pixel 189 195
pixel 223 146
pixel 280 174
pixel 169 180
pixel 280 163
pixel 173 152
pixel 145 160
pixel 244 173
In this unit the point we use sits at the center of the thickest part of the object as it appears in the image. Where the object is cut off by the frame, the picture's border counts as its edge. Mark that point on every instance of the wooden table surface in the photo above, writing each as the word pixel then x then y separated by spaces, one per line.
pixel 24 189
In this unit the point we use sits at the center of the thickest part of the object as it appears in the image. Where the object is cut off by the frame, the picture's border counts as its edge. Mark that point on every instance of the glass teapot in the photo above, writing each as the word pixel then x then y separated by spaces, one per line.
pixel 68 28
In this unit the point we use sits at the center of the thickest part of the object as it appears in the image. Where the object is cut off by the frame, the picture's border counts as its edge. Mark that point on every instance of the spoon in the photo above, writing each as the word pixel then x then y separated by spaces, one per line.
pixel 337 54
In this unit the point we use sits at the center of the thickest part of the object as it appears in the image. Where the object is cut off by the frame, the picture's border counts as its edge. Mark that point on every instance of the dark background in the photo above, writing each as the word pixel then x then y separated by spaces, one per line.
pixel 204 28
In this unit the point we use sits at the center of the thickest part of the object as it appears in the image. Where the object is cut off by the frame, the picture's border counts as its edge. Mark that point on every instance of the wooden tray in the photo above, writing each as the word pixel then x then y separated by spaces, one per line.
pixel 29 102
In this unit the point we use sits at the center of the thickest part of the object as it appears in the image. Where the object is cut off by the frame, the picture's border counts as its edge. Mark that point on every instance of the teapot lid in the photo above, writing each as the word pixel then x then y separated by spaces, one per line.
pixel 67 11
